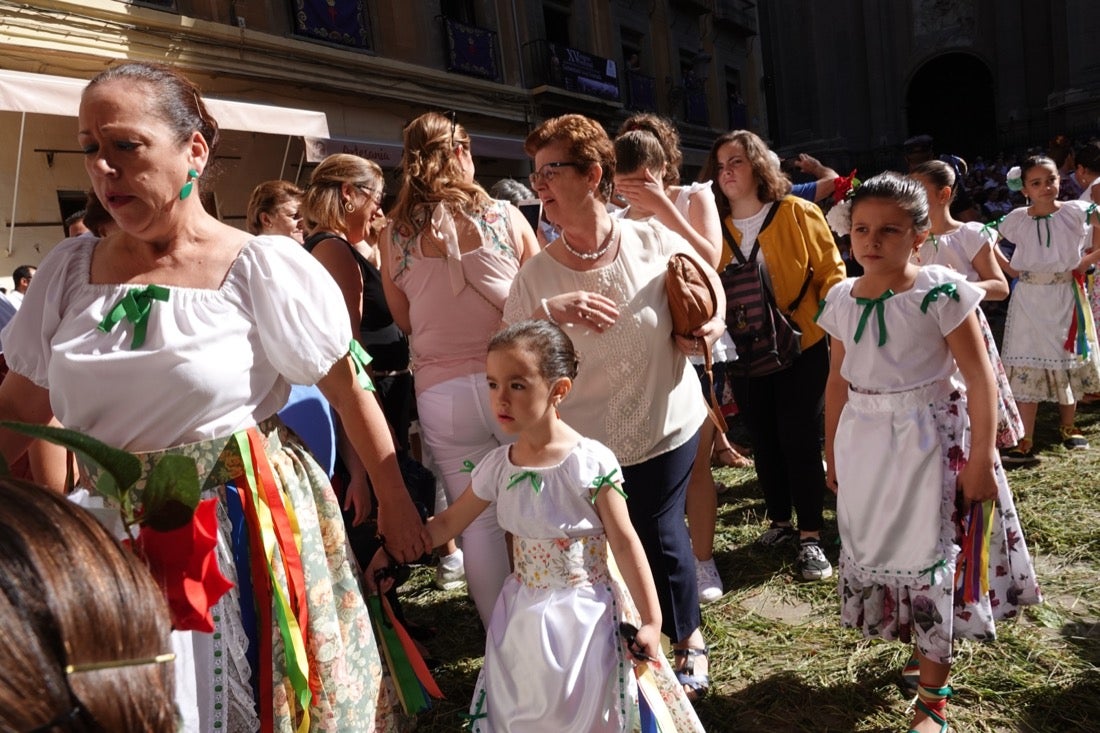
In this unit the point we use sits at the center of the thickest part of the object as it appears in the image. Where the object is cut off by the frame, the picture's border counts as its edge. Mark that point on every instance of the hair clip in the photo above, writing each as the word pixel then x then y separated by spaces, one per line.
pixel 117 663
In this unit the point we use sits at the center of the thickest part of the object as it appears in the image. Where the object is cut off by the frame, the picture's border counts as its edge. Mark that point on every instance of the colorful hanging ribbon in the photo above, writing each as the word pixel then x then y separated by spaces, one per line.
pixel 972 570
pixel 652 708
pixel 948 289
pixel 413 682
pixel 135 307
pixel 878 305
pixel 276 525
pixel 1082 329
pixel 532 476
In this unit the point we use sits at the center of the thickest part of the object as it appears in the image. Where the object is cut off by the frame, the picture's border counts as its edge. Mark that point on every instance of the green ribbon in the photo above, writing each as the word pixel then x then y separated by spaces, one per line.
pixel 467 467
pixel 1038 231
pixel 606 480
pixel 935 242
pixel 532 476
pixel 934 571
pixel 359 359
pixel 468 719
pixel 995 225
pixel 820 309
pixel 135 307
pixel 878 306
pixel 948 289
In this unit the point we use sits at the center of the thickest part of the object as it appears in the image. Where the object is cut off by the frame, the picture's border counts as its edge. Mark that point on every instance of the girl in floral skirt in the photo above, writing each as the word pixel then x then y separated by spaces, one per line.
pixel 911 450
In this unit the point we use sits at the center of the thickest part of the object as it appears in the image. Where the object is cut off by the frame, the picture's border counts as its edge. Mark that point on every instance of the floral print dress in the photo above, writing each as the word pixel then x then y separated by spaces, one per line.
pixel 903 438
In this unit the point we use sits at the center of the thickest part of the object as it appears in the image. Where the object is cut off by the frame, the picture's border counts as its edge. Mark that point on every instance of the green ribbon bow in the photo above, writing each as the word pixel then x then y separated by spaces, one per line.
pixel 359 359
pixel 467 467
pixel 879 307
pixel 532 476
pixel 606 480
pixel 468 719
pixel 995 225
pixel 135 307
pixel 1038 231
pixel 948 289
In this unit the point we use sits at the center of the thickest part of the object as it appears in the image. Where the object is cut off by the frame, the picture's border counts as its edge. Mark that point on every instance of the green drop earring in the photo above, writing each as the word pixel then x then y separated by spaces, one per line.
pixel 192 174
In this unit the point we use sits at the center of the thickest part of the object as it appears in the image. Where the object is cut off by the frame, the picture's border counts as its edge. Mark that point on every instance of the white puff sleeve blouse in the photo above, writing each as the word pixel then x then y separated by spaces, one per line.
pixel 212 362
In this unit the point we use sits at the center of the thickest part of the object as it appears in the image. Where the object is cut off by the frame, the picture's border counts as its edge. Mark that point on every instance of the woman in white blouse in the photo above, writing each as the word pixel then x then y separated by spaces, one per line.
pixel 179 334
pixel 602 280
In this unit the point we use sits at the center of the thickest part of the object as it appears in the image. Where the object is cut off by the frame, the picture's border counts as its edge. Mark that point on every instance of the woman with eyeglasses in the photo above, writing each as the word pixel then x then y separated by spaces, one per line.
pixel 782 410
pixel 602 281
pixel 449 254
pixel 342 201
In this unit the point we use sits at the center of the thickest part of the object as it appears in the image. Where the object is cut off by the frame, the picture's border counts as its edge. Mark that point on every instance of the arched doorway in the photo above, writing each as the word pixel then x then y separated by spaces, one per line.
pixel 950 98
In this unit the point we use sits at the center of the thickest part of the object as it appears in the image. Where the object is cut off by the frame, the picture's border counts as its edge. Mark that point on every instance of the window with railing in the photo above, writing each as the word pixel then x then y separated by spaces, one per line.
pixel 343 22
pixel 470 50
pixel 552 64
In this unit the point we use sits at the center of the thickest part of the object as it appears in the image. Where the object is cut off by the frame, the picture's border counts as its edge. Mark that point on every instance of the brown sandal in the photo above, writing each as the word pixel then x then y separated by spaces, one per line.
pixel 734 459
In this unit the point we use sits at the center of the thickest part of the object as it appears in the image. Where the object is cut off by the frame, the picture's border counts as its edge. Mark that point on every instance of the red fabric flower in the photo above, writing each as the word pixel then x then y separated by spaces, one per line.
pixel 185 566
pixel 842 185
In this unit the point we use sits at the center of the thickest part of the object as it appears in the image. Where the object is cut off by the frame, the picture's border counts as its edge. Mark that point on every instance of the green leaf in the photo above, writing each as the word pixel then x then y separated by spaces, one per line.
pixel 171 493
pixel 125 468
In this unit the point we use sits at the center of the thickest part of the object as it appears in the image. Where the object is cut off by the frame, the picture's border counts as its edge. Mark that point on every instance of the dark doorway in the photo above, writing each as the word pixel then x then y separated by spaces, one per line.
pixel 951 98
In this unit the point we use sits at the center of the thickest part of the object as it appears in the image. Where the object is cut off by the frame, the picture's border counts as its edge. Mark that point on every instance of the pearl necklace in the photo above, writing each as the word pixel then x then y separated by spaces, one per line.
pixel 598 253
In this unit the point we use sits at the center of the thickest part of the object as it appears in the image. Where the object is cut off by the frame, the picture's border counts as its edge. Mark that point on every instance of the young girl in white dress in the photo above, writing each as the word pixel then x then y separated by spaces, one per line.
pixel 554 659
pixel 904 439
pixel 967 248
pixel 1049 348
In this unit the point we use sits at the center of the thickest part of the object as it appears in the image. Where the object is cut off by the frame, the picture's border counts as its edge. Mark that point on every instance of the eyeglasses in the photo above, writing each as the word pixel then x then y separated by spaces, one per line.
pixel 375 196
pixel 543 174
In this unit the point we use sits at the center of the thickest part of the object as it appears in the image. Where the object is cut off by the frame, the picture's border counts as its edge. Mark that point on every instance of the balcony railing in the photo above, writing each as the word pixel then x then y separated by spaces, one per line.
pixel 470 50
pixel 552 64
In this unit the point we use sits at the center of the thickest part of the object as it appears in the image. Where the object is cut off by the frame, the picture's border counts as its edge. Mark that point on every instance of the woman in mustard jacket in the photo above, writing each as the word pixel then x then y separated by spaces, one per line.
pixel 782 409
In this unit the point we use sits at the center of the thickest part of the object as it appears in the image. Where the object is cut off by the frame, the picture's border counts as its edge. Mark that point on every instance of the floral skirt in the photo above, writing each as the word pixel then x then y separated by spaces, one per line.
pixel 926 610
pixel 217 673
pixel 554 659
pixel 1010 427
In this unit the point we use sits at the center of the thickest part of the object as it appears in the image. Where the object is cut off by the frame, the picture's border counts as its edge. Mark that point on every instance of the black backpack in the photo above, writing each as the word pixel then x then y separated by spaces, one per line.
pixel 767 339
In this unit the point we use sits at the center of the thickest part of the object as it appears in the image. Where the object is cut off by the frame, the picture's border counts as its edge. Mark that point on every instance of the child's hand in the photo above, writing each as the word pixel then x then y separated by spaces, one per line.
pixel 977 481
pixel 377 574
pixel 830 477
pixel 644 644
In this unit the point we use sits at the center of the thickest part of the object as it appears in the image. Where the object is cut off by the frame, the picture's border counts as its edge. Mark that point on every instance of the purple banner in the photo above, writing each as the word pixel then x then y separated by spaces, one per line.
pixel 582 72
pixel 471 50
pixel 336 21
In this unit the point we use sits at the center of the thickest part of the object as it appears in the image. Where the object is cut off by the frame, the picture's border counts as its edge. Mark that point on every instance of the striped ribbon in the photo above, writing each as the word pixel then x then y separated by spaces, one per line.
pixel 652 710
pixel 273 523
pixel 972 570
pixel 1082 330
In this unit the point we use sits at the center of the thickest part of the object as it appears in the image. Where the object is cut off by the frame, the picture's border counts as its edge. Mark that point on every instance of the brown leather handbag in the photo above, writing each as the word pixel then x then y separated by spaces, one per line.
pixel 692 302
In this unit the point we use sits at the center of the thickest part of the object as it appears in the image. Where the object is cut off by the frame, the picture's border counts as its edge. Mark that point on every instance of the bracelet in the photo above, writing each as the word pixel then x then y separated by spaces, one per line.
pixel 546 310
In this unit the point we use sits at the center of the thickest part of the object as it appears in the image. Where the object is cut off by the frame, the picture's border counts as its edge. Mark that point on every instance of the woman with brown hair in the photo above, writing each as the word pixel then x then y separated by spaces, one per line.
pixel 274 208
pixel 86 633
pixel 603 281
pixel 782 410
pixel 172 336
pixel 449 254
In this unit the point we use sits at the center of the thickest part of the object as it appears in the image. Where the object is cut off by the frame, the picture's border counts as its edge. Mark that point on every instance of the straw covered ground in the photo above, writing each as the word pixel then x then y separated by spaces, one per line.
pixel 780 661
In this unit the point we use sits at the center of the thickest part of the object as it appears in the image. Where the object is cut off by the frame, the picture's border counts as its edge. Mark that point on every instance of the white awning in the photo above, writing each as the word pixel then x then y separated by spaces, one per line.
pixel 59 95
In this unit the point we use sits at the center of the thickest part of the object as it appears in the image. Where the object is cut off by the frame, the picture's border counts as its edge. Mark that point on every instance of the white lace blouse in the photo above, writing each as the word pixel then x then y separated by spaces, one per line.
pixel 212 362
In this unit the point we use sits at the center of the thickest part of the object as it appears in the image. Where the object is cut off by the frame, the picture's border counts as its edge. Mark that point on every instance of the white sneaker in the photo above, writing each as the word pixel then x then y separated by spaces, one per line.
pixel 708 580
pixel 450 573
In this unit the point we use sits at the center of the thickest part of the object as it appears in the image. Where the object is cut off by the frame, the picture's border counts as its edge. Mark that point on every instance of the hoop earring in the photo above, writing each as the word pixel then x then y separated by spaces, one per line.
pixel 349 206
pixel 192 174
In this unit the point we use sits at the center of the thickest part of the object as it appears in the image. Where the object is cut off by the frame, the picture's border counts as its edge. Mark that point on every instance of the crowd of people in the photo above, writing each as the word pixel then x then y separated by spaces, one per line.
pixel 564 422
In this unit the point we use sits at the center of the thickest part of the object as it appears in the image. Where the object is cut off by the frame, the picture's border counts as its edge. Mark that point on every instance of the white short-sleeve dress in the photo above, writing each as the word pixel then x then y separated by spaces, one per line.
pixel 553 656
pixel 956 250
pixel 213 367
pixel 903 437
pixel 1043 312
